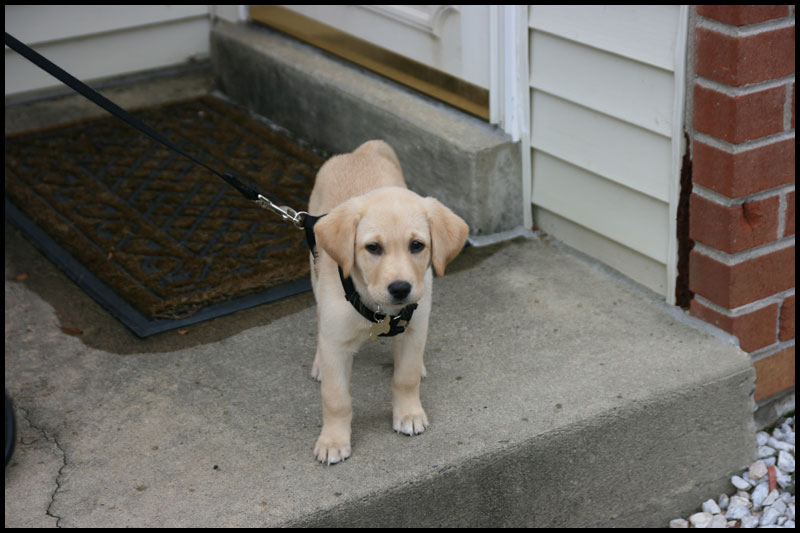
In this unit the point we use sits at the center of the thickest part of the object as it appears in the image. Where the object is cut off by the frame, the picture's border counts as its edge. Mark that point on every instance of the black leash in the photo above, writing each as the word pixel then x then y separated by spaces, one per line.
pixel 300 219
pixel 78 86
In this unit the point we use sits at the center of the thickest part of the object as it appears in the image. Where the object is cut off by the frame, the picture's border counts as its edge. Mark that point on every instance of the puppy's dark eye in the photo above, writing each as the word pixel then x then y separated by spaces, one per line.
pixel 416 247
pixel 374 248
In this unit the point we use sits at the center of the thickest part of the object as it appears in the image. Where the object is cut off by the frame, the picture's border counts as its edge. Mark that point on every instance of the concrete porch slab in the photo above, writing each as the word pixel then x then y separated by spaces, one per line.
pixel 558 396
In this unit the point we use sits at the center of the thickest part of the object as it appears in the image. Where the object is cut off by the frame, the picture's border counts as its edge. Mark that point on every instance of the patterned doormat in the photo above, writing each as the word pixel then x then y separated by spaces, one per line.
pixel 157 240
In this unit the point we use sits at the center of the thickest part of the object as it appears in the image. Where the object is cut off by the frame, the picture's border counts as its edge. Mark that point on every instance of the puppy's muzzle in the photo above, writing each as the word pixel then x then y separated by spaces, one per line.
pixel 399 290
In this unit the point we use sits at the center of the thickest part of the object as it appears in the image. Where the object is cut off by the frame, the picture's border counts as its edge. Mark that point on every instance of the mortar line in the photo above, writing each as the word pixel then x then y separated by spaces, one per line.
pixel 748 30
pixel 736 149
pixel 744 90
pixel 712 196
pixel 741 257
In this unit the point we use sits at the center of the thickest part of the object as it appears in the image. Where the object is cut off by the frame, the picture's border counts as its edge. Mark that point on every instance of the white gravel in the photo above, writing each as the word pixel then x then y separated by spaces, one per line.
pixel 764 494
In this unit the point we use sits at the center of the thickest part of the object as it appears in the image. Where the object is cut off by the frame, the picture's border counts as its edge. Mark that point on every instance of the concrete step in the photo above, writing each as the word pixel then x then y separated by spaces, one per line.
pixel 445 153
pixel 558 395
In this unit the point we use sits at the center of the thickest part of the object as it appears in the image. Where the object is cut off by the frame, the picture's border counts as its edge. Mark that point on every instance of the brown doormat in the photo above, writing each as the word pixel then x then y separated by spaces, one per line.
pixel 166 237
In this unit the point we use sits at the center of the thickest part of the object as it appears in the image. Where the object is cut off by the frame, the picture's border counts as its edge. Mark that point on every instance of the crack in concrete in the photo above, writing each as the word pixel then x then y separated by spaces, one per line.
pixel 51 439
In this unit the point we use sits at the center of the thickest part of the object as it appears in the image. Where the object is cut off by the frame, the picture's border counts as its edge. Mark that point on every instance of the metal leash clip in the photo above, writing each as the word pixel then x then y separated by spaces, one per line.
pixel 286 213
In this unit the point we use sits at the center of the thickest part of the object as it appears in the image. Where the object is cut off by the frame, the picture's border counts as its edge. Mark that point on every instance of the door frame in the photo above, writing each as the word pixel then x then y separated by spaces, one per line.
pixel 509 87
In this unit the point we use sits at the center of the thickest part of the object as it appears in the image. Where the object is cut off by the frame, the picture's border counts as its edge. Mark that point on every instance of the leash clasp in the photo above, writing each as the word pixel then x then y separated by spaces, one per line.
pixel 286 213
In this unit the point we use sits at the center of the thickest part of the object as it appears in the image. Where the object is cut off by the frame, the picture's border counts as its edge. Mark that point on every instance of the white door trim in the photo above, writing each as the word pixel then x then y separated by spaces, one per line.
pixel 509 88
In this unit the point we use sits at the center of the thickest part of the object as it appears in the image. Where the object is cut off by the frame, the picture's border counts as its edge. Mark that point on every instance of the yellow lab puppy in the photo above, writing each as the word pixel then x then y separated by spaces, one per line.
pixel 376 248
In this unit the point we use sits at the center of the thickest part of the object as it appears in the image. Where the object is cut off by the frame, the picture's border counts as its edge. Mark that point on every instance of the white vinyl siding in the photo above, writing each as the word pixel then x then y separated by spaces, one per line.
pixel 101 41
pixel 603 104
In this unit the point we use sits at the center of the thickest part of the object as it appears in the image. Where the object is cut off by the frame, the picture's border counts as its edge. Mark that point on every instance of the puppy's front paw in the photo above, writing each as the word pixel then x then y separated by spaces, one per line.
pixel 331 450
pixel 410 424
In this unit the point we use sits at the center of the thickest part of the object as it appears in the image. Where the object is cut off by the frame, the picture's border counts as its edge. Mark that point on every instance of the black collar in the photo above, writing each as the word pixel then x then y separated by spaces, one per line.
pixel 396 324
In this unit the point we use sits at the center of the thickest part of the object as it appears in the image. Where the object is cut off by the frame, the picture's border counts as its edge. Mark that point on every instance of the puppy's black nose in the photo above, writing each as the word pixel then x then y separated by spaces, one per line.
pixel 399 290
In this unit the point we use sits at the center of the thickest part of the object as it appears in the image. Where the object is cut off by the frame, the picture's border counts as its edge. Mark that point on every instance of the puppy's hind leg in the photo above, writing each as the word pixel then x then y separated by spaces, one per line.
pixel 316 373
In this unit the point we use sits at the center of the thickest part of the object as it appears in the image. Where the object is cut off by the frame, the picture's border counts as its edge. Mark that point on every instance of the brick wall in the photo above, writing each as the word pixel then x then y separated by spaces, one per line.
pixel 741 268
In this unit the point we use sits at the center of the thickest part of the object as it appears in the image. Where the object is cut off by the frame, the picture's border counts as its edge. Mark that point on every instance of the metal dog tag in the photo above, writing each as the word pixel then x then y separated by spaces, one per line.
pixel 379 328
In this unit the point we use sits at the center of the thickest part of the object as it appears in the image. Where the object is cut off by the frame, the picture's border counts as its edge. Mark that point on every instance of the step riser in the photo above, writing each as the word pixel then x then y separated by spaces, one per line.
pixel 464 162
pixel 639 468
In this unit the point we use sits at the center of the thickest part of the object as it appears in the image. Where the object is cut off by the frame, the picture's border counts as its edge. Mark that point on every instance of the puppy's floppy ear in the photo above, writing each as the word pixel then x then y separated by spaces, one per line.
pixel 448 234
pixel 336 234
